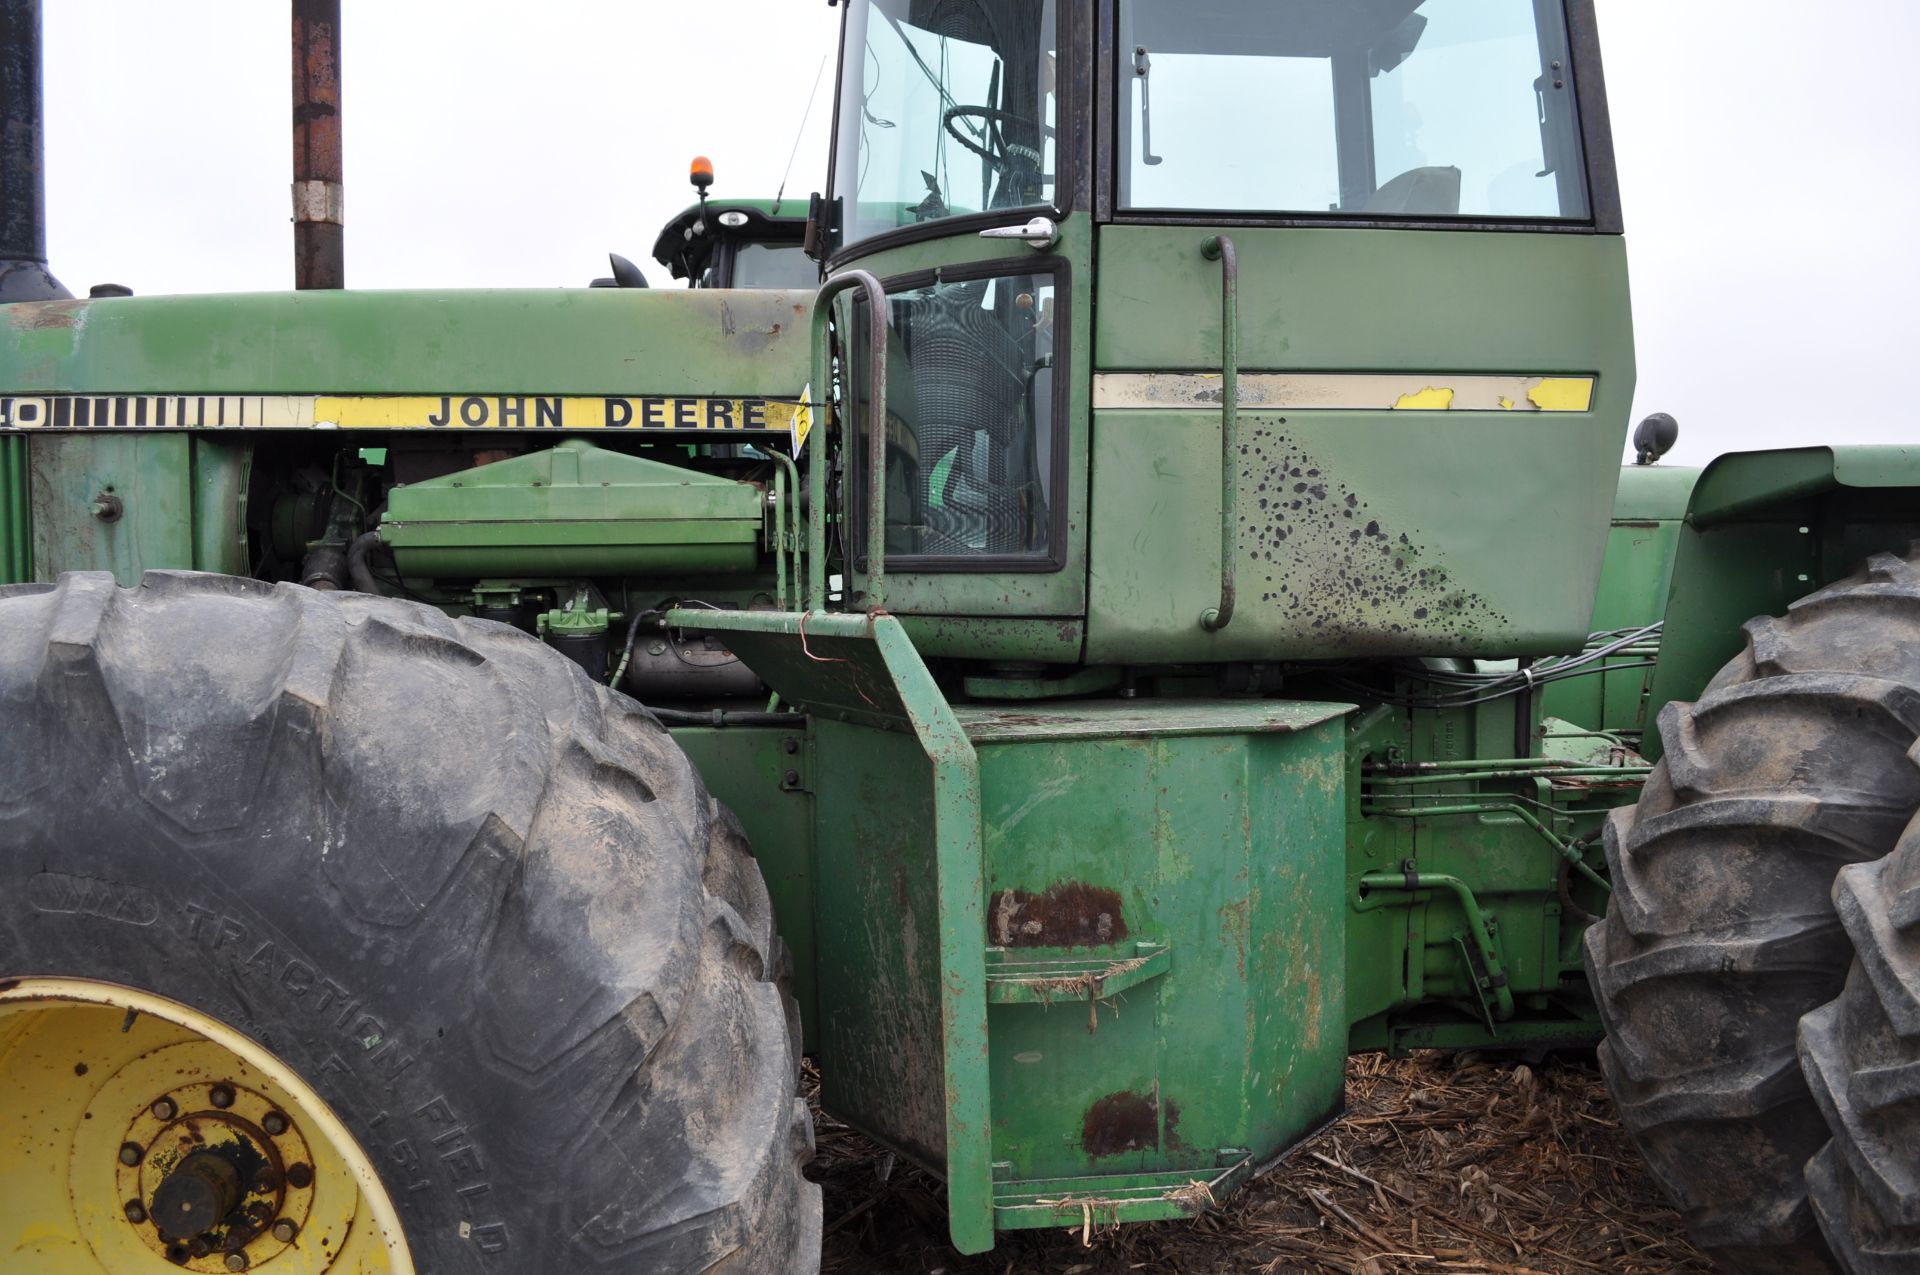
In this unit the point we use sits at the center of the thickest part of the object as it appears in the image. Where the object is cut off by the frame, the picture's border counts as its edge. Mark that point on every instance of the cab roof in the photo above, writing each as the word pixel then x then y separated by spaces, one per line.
pixel 767 221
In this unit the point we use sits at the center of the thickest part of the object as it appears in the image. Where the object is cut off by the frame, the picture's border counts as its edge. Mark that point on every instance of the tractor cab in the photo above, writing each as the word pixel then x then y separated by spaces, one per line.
pixel 737 243
pixel 1238 332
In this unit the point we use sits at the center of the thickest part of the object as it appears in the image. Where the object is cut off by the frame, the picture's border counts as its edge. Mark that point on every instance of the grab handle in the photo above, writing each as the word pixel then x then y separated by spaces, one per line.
pixel 1220 248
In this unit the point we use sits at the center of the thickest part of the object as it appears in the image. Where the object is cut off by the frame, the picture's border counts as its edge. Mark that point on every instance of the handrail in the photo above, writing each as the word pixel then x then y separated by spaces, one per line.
pixel 1220 248
pixel 817 449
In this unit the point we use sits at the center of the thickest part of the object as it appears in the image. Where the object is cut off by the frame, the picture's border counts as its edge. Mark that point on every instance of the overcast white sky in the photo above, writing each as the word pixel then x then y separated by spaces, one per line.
pixel 1769 157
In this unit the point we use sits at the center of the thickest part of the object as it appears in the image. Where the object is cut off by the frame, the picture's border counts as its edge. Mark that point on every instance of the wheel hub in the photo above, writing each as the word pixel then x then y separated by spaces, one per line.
pixel 137 1135
pixel 218 1171
pixel 198 1195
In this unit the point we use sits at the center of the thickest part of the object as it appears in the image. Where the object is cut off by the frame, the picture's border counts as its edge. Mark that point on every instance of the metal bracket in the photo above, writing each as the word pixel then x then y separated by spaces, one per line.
pixel 319 201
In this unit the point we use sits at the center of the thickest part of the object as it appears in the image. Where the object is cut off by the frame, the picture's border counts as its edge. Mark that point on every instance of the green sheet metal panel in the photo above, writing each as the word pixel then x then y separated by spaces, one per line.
pixel 584 341
pixel 1165 927
pixel 1641 543
pixel 573 509
pixel 1208 836
pixel 747 769
pixel 129 503
pixel 1766 528
pixel 879 966
pixel 16 522
pixel 1401 544
pixel 899 922
pixel 1461 531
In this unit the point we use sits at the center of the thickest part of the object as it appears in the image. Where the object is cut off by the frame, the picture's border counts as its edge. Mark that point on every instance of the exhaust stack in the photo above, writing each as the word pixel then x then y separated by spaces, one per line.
pixel 23 178
pixel 319 215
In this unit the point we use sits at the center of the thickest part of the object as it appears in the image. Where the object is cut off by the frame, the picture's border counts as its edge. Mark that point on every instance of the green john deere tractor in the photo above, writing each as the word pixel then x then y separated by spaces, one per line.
pixel 1165 613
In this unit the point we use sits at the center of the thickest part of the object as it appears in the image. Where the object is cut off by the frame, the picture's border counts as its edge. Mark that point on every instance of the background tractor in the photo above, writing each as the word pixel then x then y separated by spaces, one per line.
pixel 1165 613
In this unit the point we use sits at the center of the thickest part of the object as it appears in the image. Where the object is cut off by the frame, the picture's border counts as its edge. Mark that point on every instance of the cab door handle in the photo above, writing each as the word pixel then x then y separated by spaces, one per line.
pixel 1040 233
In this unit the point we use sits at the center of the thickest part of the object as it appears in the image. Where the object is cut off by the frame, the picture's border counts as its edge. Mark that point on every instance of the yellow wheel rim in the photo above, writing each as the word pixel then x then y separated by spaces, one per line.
pixel 138 1135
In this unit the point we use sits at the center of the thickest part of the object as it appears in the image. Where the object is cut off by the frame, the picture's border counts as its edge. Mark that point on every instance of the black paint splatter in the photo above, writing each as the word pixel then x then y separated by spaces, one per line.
pixel 1356 585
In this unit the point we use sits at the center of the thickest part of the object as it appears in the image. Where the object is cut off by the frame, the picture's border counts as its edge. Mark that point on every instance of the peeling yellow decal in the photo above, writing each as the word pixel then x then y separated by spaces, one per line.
pixel 1431 399
pixel 1430 389
pixel 1562 394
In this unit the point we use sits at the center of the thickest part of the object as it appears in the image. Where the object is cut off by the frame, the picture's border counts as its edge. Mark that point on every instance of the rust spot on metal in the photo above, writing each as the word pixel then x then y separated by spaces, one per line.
pixel 42 315
pixel 1234 924
pixel 1119 1123
pixel 1066 914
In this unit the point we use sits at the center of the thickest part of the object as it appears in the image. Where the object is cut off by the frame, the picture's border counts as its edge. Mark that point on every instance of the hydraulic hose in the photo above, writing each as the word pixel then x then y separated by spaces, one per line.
pixel 359 569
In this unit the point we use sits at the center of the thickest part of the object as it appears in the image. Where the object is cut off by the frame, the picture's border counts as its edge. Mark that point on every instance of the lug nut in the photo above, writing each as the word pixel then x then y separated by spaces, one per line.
pixel 165 1109
pixel 132 1153
pixel 274 1123
pixel 284 1230
pixel 136 1212
pixel 221 1097
pixel 236 1261
pixel 300 1176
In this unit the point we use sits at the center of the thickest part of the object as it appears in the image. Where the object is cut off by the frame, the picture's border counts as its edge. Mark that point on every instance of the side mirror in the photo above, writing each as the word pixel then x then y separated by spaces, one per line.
pixel 818 241
pixel 625 273
pixel 1654 437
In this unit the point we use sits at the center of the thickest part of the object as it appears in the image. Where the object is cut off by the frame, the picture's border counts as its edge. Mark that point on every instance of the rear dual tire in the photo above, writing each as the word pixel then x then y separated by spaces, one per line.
pixel 1774 1093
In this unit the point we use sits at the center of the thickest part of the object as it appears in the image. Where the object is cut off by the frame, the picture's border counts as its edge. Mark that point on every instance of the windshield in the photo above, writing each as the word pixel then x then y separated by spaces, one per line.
pixel 1428 108
pixel 947 107
pixel 773 265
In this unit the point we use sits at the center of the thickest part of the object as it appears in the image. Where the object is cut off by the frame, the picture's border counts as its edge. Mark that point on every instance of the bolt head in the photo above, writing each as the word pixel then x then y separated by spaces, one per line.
pixel 284 1230
pixel 132 1153
pixel 165 1109
pixel 236 1261
pixel 136 1212
pixel 274 1123
pixel 300 1176
pixel 221 1097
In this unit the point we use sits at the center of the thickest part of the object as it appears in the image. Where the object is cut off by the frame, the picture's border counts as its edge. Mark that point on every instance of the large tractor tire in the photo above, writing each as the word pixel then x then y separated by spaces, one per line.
pixel 1861 1054
pixel 340 933
pixel 1722 933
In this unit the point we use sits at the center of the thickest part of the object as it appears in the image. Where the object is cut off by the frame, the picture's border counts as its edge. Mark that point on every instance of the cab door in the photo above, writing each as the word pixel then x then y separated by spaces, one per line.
pixel 959 179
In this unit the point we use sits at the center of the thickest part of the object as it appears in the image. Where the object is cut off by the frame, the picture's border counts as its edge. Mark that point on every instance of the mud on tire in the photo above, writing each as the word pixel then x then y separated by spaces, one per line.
pixel 1721 933
pixel 485 908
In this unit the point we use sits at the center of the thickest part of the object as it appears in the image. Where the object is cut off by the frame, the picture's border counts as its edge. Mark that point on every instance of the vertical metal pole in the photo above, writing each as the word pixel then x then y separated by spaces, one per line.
pixel 319 230
pixel 23 179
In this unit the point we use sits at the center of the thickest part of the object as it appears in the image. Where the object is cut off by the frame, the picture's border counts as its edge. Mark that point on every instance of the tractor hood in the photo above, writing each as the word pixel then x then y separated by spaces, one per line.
pixel 451 346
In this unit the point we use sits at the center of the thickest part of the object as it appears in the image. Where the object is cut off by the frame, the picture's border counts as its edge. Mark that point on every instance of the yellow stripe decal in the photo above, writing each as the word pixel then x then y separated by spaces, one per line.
pixel 646 414
pixel 1562 394
pixel 1346 391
